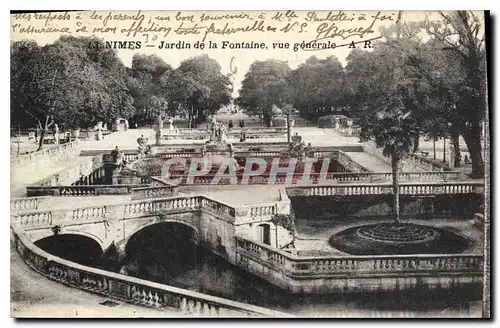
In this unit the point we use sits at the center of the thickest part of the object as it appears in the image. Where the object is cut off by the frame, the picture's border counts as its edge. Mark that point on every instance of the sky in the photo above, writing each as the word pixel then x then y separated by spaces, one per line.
pixel 236 60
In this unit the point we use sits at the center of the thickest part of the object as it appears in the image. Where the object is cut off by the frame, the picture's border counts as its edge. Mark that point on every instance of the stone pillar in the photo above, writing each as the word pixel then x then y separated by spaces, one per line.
pixel 159 127
pixel 56 134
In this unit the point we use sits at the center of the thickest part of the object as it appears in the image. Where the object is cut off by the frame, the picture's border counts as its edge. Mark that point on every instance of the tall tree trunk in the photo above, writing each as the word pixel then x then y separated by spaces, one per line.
pixel 288 128
pixel 416 143
pixel 395 187
pixel 434 146
pixel 444 149
pixel 267 119
pixel 456 148
pixel 472 137
pixel 42 138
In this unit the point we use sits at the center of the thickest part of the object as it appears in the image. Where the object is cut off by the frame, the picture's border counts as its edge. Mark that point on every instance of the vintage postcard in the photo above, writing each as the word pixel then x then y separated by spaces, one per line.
pixel 249 164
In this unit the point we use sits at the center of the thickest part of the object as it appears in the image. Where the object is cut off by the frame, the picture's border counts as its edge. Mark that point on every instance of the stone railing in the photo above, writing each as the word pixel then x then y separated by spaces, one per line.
pixel 185 203
pixel 127 156
pixel 427 164
pixel 300 267
pixel 53 154
pixel 33 219
pixel 260 210
pixel 180 204
pixel 89 214
pixel 331 178
pixel 91 190
pixel 429 188
pixel 154 192
pixel 348 163
pixel 41 161
pixel 218 208
pixel 387 176
pixel 140 208
pixel 179 154
pixel 73 173
pixel 25 204
pixel 130 289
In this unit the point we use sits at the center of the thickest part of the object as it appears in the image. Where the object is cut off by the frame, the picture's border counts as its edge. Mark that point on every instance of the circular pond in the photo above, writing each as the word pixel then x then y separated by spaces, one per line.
pixel 390 238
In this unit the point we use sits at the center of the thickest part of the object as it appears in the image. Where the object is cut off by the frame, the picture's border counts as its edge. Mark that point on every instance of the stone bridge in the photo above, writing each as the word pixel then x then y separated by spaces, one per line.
pixel 212 222
pixel 236 234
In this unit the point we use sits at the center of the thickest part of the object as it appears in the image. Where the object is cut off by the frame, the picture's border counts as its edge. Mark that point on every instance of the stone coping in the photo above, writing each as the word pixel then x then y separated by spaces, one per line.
pixel 207 299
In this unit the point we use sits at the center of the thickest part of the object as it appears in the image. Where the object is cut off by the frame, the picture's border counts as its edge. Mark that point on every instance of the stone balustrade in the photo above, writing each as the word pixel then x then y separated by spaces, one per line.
pixel 44 219
pixel 89 214
pixel 82 190
pixel 178 204
pixel 53 154
pixel 130 289
pixel 127 156
pixel 331 178
pixel 348 163
pixel 33 219
pixel 154 192
pixel 179 155
pixel 25 204
pixel 218 208
pixel 373 266
pixel 87 170
pixel 429 188
pixel 261 210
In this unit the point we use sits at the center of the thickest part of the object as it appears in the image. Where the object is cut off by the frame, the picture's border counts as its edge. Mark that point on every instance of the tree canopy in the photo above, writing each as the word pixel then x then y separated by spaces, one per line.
pixel 67 82
pixel 265 84
pixel 76 86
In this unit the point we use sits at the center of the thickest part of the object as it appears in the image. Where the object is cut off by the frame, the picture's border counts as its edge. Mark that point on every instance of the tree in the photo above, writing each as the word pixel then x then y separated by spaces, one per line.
pixel 201 87
pixel 318 86
pixel 462 38
pixel 385 94
pixel 145 82
pixel 393 129
pixel 265 84
pixel 66 82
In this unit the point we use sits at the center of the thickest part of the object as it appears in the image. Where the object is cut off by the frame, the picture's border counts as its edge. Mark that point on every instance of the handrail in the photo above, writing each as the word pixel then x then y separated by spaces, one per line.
pixel 405 188
pixel 298 267
pixel 82 190
pixel 26 203
pixel 330 178
pixel 130 289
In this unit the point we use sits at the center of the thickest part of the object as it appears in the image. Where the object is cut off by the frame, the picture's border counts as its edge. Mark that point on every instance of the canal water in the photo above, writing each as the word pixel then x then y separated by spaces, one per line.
pixel 181 265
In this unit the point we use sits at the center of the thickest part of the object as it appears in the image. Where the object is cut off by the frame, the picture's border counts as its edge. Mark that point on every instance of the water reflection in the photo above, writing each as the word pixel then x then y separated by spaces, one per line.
pixel 212 275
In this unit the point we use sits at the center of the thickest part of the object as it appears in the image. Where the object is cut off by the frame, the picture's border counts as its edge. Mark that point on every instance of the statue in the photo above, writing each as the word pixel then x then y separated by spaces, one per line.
pixel 451 156
pixel 99 133
pixel 222 132
pixel 117 156
pixel 143 146
pixel 212 129
pixel 99 130
pixel 56 134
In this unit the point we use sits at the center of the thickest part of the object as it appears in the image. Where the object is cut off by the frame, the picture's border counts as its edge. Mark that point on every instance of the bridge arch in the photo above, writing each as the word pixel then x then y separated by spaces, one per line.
pixel 150 223
pixel 73 246
pixel 36 235
pixel 162 247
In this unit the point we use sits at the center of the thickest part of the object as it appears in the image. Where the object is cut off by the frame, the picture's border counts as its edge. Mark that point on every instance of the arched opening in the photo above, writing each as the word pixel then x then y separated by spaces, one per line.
pixel 265 233
pixel 161 251
pixel 77 248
